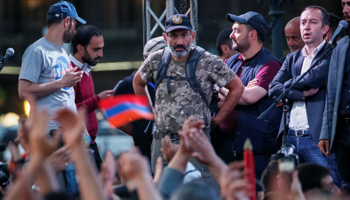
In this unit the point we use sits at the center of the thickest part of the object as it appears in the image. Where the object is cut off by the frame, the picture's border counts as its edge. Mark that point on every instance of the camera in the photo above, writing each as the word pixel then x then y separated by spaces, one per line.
pixel 286 153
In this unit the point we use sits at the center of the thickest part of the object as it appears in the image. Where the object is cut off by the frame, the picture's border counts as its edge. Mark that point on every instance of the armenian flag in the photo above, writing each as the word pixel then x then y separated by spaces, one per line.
pixel 123 109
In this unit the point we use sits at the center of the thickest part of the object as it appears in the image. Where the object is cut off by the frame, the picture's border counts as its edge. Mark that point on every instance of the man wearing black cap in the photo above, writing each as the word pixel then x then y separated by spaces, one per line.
pixel 175 98
pixel 307 98
pixel 256 67
pixel 46 72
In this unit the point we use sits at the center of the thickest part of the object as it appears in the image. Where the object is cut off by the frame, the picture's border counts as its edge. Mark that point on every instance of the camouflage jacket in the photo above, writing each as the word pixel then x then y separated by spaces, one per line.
pixel 172 109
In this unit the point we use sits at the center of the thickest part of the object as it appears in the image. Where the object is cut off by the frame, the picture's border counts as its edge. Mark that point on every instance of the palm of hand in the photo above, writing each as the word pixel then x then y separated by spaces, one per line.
pixel 72 126
pixel 40 144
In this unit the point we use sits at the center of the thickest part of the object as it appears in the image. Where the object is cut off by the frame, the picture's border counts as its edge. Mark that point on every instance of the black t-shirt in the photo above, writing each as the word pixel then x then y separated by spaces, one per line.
pixel 141 129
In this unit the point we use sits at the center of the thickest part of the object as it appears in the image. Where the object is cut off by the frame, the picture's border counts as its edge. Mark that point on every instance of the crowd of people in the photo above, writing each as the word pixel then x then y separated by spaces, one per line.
pixel 205 108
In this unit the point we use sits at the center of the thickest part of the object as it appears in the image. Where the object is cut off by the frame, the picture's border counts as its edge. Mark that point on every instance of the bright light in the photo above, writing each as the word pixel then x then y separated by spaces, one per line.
pixel 26 107
pixel 9 119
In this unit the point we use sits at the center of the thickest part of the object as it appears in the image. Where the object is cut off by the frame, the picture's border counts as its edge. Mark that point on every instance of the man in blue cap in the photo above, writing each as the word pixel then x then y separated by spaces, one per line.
pixel 256 67
pixel 175 98
pixel 46 72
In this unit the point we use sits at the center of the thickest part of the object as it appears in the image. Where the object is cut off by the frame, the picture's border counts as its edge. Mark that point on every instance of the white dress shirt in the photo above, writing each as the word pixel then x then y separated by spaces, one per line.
pixel 298 117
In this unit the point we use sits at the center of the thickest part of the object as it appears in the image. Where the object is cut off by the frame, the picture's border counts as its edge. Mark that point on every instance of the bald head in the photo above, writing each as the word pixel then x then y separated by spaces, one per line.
pixel 292 32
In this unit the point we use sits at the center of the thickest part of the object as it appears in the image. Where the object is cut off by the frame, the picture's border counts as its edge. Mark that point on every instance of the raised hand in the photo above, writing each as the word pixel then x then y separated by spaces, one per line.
pixel 188 128
pixel 22 188
pixel 168 148
pixel 159 171
pixel 108 169
pixel 232 182
pixel 26 125
pixel 59 159
pixel 132 166
pixel 14 150
pixel 41 147
pixel 206 153
pixel 72 126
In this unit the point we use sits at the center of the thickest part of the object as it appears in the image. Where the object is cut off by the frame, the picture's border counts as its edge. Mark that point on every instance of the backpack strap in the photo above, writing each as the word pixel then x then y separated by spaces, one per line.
pixel 163 67
pixel 191 66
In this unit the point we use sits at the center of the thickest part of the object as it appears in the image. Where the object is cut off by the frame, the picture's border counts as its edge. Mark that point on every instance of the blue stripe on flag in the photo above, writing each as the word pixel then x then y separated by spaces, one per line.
pixel 125 106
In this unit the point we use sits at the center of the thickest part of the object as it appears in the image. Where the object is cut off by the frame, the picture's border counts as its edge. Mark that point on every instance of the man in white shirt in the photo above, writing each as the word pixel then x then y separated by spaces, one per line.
pixel 307 98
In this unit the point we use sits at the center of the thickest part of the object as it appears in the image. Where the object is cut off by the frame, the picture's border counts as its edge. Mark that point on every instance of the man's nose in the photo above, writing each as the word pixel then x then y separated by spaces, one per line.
pixel 100 53
pixel 232 35
pixel 346 9
pixel 179 41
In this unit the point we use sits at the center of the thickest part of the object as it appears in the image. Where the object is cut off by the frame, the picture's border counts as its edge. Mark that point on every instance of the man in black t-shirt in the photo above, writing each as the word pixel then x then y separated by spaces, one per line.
pixel 140 130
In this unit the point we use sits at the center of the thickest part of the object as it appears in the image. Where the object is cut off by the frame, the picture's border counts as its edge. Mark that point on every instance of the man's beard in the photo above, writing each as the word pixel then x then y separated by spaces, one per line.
pixel 242 46
pixel 88 60
pixel 180 53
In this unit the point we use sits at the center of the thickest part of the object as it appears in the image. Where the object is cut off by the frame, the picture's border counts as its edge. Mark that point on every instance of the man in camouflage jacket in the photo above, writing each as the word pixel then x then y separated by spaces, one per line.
pixel 175 101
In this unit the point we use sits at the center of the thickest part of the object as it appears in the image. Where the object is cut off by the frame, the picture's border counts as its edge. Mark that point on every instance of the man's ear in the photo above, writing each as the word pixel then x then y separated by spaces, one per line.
pixel 325 29
pixel 66 22
pixel 165 37
pixel 81 49
pixel 224 49
pixel 253 34
pixel 193 35
pixel 328 36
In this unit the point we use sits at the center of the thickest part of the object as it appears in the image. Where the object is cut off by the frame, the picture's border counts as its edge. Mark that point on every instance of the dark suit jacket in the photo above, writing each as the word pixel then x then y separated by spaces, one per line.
pixel 316 78
pixel 335 81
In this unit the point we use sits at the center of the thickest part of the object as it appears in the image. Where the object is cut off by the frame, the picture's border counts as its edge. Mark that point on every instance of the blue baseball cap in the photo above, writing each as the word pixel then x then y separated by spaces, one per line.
pixel 63 9
pixel 254 19
pixel 177 21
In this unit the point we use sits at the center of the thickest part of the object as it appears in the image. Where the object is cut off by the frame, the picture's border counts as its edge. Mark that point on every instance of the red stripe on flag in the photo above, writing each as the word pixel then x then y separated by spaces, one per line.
pixel 110 102
pixel 128 116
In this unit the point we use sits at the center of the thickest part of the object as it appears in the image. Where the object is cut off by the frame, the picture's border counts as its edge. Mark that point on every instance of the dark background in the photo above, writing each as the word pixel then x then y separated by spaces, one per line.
pixel 22 22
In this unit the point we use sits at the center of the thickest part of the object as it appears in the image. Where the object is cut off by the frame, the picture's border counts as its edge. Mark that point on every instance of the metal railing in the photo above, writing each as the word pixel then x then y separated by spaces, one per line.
pixel 170 10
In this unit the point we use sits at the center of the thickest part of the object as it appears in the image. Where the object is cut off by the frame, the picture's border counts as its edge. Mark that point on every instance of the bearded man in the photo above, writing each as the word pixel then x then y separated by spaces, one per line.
pixel 175 98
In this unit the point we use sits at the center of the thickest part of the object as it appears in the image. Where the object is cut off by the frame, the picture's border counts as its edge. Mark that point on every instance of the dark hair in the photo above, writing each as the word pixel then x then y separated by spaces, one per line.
pixel 57 196
pixel 311 175
pixel 223 38
pixel 84 35
pixel 53 21
pixel 261 37
pixel 197 189
pixel 333 22
pixel 268 177
pixel 324 16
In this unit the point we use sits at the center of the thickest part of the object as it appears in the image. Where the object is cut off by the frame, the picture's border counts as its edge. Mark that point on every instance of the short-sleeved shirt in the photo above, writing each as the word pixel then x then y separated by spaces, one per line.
pixel 172 109
pixel 265 74
pixel 43 62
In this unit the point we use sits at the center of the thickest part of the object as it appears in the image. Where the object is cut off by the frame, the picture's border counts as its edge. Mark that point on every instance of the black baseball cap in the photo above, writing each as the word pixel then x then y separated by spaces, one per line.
pixel 63 9
pixel 254 19
pixel 177 21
